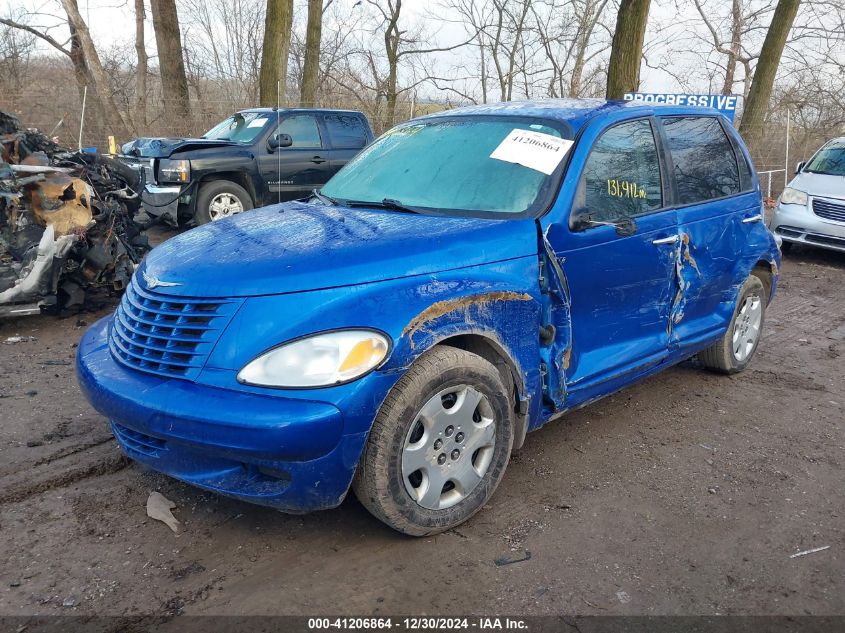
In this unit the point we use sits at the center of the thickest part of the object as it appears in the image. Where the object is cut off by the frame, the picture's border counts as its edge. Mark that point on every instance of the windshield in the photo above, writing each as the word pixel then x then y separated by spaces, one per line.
pixel 490 165
pixel 242 127
pixel 829 160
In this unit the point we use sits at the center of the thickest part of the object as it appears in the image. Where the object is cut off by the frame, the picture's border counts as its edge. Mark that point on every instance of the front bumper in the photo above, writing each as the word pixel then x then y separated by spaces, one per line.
pixel 275 451
pixel 798 224
pixel 162 202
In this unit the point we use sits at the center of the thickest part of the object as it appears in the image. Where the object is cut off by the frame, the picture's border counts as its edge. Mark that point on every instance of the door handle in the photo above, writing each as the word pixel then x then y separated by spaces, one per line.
pixel 318 160
pixel 753 218
pixel 672 239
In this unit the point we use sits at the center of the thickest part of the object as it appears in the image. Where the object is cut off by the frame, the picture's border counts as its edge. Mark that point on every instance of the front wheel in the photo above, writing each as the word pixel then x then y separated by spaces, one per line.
pixel 733 352
pixel 220 199
pixel 439 444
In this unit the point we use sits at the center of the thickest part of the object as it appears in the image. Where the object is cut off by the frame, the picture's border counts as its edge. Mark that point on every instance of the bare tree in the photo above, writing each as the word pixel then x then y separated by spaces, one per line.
pixel 100 82
pixel 171 65
pixel 311 63
pixel 278 22
pixel 141 68
pixel 623 73
pixel 764 75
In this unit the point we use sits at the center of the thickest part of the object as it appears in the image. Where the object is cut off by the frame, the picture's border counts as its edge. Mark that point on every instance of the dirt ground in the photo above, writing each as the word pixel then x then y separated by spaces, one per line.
pixel 684 494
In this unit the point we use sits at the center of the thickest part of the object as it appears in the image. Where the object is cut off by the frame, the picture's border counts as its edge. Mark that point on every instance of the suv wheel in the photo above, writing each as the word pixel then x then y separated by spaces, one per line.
pixel 439 444
pixel 733 352
pixel 220 199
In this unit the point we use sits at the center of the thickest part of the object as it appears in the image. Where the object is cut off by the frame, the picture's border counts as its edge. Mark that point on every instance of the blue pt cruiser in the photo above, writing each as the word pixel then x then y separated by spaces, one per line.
pixel 469 277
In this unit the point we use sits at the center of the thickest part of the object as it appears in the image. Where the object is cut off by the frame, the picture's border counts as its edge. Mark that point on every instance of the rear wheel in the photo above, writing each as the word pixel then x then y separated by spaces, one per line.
pixel 733 352
pixel 220 199
pixel 439 445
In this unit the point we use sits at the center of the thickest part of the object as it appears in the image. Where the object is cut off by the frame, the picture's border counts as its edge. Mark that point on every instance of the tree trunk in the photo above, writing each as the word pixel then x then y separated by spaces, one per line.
pixel 141 71
pixel 623 73
pixel 273 75
pixel 757 104
pixel 392 37
pixel 311 63
pixel 736 47
pixel 174 84
pixel 114 121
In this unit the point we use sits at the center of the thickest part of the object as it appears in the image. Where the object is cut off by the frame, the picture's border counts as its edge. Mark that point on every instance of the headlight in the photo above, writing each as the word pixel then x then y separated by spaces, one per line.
pixel 793 196
pixel 174 170
pixel 318 361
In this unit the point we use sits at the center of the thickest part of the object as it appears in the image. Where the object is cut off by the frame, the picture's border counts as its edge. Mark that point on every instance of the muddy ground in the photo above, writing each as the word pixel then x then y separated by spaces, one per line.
pixel 684 494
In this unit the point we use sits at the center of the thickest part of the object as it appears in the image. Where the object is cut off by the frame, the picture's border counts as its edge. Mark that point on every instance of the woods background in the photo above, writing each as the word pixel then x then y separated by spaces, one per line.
pixel 193 62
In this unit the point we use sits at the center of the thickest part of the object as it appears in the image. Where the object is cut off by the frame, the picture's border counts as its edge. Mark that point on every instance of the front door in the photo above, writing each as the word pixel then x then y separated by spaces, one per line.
pixel 618 257
pixel 293 172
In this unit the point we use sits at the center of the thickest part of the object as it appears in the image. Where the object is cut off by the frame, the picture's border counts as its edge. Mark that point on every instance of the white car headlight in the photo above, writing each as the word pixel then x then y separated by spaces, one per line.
pixel 320 360
pixel 793 196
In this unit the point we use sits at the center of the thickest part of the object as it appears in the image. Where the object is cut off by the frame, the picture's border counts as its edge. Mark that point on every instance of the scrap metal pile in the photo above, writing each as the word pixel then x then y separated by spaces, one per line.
pixel 66 223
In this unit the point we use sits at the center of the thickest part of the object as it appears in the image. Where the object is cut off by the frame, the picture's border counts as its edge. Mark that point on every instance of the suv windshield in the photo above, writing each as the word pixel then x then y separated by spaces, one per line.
pixel 242 127
pixel 830 160
pixel 485 165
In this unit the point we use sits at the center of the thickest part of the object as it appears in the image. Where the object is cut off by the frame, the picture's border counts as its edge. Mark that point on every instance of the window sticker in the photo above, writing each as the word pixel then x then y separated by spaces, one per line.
pixel 259 122
pixel 535 150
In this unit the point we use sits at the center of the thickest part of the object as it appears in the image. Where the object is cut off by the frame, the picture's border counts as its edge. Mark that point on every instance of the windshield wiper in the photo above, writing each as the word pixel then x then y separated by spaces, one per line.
pixel 386 203
pixel 324 198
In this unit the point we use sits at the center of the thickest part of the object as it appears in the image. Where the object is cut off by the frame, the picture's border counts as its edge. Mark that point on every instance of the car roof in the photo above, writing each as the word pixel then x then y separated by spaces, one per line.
pixel 274 110
pixel 575 112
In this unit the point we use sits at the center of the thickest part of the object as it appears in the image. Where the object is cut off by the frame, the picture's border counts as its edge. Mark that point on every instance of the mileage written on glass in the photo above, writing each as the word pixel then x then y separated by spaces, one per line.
pixel 624 189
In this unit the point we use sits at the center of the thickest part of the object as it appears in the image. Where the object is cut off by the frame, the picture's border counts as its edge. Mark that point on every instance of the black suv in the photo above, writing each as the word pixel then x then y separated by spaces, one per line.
pixel 251 159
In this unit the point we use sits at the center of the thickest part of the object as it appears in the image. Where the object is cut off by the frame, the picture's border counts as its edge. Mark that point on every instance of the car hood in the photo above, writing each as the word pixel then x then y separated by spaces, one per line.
pixel 164 147
pixel 295 247
pixel 820 185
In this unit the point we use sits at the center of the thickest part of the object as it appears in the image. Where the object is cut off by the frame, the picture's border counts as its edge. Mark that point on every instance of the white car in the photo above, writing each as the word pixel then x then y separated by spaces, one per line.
pixel 811 210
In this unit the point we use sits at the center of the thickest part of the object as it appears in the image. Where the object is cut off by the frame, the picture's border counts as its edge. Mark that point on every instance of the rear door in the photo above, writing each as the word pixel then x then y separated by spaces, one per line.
pixel 347 134
pixel 293 172
pixel 620 282
pixel 718 206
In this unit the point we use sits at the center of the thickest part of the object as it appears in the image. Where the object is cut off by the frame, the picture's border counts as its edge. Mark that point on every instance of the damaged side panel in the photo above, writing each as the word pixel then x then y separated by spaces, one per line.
pixel 719 246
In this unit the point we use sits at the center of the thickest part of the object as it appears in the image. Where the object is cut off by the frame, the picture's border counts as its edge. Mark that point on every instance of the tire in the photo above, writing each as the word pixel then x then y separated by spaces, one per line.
pixel 786 248
pixel 225 192
pixel 441 380
pixel 750 310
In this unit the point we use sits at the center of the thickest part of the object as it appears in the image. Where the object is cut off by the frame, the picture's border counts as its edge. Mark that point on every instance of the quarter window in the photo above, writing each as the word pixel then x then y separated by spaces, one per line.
pixel 622 176
pixel 302 128
pixel 705 165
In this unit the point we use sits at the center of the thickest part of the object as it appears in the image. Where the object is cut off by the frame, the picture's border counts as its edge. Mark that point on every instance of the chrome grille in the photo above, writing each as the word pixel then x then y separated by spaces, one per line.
pixel 166 335
pixel 829 210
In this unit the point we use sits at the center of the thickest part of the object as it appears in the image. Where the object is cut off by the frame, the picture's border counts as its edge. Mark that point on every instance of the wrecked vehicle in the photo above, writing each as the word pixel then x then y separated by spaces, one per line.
pixel 467 278
pixel 252 158
pixel 65 223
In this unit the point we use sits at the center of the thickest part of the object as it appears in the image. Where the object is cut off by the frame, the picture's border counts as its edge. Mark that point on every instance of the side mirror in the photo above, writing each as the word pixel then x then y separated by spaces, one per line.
pixel 279 140
pixel 584 220
pixel 800 166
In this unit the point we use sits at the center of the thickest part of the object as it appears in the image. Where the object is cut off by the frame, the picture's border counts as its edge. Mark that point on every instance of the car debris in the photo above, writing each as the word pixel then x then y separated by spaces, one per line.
pixel 65 223
pixel 159 508
pixel 810 551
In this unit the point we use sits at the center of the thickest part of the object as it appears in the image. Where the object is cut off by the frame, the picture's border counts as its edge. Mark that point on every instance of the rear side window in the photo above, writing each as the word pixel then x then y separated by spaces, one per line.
pixel 705 166
pixel 346 131
pixel 621 178
pixel 303 131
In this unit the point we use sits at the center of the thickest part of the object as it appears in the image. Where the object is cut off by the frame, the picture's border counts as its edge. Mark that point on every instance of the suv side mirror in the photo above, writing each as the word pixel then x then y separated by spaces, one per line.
pixel 800 166
pixel 279 140
pixel 584 220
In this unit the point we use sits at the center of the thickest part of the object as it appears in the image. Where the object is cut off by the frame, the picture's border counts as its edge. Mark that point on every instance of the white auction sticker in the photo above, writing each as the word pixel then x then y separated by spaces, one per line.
pixel 535 150
pixel 259 122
